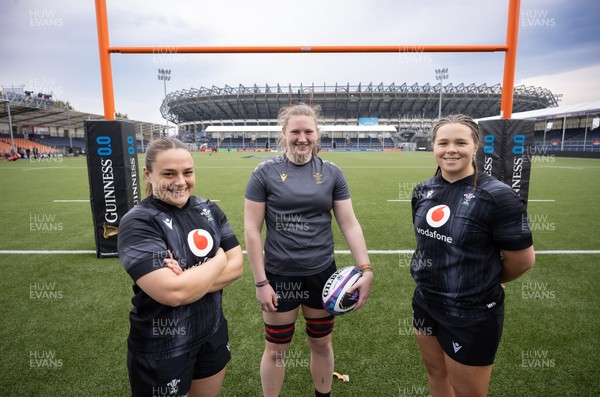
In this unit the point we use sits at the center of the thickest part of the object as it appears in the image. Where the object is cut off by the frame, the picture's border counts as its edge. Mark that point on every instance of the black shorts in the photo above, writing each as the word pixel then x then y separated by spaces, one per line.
pixel 295 290
pixel 173 376
pixel 469 342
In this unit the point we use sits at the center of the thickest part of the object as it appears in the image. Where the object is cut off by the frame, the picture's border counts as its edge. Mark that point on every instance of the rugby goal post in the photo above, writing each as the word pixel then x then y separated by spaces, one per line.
pixel 509 48
pixel 122 181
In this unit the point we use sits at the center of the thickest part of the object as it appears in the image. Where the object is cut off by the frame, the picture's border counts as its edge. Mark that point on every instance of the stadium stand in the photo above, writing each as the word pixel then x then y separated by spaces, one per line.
pixel 579 124
pixel 408 110
pixel 5 145
pixel 341 103
pixel 40 120
pixel 60 142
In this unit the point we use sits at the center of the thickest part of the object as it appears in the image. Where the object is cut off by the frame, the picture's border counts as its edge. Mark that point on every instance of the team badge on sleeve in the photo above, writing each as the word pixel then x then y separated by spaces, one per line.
pixel 200 242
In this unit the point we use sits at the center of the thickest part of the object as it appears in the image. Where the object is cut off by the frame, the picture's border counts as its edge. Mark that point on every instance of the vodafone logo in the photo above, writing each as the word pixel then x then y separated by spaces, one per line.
pixel 200 242
pixel 437 216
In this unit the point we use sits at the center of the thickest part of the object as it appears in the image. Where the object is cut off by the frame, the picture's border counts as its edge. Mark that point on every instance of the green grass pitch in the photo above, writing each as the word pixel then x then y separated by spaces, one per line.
pixel 65 317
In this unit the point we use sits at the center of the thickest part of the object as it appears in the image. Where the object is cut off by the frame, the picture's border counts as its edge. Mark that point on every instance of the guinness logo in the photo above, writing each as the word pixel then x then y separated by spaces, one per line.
pixel 109 231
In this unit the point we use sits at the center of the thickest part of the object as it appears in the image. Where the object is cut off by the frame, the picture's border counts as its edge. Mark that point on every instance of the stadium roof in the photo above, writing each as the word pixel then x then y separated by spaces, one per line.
pixel 273 128
pixel 344 102
pixel 581 109
pixel 28 110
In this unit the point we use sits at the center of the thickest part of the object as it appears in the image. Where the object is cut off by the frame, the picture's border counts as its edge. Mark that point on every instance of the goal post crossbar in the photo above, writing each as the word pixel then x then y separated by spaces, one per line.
pixel 509 48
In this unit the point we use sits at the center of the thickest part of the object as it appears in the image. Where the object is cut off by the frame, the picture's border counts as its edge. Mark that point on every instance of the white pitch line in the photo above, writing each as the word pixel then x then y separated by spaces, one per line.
pixel 340 252
pixel 53 252
pixel 531 201
pixel 547 252
pixel 87 201
pixel 567 252
pixel 377 252
pixel 43 168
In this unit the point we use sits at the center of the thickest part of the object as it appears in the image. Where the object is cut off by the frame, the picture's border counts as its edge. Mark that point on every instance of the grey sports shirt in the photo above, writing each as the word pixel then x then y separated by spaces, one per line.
pixel 299 200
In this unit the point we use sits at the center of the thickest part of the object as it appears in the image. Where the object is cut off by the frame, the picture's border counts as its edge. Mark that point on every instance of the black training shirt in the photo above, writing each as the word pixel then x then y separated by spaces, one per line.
pixel 193 234
pixel 460 232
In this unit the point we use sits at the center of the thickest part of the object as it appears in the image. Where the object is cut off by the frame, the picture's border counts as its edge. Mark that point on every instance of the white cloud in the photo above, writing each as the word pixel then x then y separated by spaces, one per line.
pixel 576 86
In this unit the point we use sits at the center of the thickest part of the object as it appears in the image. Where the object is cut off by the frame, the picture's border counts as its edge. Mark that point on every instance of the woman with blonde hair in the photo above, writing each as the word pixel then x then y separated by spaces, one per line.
pixel 294 196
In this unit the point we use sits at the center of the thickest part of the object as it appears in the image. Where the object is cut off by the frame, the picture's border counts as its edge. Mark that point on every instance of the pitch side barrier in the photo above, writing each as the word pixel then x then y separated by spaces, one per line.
pixel 581 155
pixel 119 142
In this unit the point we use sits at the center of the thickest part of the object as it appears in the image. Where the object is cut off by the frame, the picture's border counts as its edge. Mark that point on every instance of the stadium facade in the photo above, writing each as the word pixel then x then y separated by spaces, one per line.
pixel 411 109
pixel 355 117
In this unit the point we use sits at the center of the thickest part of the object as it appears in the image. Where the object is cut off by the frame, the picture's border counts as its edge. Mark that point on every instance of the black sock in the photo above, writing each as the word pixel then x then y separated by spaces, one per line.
pixel 319 394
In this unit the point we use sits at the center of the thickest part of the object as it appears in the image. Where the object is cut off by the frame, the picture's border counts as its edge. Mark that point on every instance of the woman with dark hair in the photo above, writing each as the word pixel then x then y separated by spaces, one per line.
pixel 472 235
pixel 180 251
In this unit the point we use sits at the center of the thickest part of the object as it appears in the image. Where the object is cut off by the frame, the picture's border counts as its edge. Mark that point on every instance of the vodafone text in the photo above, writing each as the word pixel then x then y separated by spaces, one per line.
pixel 435 235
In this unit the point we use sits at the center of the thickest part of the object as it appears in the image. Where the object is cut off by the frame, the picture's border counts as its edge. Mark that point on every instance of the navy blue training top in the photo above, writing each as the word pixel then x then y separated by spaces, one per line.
pixel 460 232
pixel 193 234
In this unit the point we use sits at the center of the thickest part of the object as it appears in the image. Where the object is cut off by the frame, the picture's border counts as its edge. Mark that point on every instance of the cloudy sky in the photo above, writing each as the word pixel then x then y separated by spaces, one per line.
pixel 52 46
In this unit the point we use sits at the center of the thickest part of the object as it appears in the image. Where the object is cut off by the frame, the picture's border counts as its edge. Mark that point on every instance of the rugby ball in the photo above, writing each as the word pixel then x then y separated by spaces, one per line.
pixel 336 299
